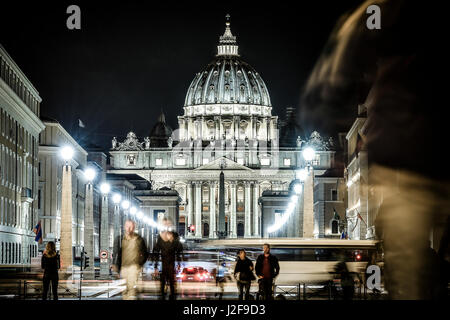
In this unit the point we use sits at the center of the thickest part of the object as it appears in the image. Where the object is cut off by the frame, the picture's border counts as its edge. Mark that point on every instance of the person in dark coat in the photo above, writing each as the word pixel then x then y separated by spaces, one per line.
pixel 267 269
pixel 50 263
pixel 169 246
pixel 243 272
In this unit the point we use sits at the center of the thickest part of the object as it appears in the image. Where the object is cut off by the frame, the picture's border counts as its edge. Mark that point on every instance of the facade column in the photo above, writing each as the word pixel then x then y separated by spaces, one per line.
pixel 104 237
pixel 236 121
pixel 308 205
pixel 181 126
pixel 216 128
pixel 212 210
pixel 190 213
pixel 65 247
pixel 232 225
pixel 256 210
pixel 198 209
pixel 89 229
pixel 248 203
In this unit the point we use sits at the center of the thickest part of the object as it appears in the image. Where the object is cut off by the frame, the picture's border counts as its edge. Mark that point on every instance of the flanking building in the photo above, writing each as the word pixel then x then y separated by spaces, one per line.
pixel 19 134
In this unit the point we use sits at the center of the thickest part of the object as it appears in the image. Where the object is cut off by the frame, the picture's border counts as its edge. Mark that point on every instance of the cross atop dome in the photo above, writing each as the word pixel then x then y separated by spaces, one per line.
pixel 227 46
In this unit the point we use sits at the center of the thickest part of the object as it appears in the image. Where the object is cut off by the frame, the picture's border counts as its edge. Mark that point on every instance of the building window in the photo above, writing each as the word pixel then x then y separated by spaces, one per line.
pixel 334 195
pixel 240 229
pixel 316 161
pixel 159 162
pixel 265 161
pixel 205 230
pixel 287 161
pixel 180 161
pixel 205 161
pixel 334 226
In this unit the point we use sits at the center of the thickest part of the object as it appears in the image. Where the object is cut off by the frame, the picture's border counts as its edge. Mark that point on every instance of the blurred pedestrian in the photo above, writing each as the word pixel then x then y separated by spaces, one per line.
pixel 387 70
pixel 169 246
pixel 129 256
pixel 221 279
pixel 50 263
pixel 267 269
pixel 243 272
pixel 345 277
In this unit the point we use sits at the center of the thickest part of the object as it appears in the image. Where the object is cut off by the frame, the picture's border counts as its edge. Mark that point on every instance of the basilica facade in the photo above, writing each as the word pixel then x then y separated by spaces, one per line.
pixel 227 126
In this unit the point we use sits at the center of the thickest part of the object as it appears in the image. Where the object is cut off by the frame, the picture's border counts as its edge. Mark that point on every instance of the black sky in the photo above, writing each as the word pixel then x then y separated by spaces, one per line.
pixel 132 59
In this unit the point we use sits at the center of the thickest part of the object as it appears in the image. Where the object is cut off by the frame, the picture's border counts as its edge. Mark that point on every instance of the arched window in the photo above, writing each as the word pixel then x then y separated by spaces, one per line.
pixel 334 226
pixel 240 229
pixel 206 230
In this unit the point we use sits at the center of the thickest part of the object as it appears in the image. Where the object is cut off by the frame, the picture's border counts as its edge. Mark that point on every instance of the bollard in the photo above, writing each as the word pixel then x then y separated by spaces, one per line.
pixel 304 291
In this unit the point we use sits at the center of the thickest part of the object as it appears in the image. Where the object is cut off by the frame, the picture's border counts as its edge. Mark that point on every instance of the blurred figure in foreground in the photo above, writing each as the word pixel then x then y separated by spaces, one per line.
pixel 267 268
pixel 170 247
pixel 129 256
pixel 243 272
pixel 50 263
pixel 346 278
pixel 391 71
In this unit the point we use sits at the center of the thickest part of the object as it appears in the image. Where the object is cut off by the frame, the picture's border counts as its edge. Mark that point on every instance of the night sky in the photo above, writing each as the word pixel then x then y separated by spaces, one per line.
pixel 131 59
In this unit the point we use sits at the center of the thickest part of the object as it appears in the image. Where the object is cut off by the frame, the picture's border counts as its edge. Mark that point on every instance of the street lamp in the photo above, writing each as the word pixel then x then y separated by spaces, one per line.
pixel 139 215
pixel 89 174
pixel 298 188
pixel 67 153
pixel 307 176
pixel 125 204
pixel 116 198
pixel 105 188
pixel 66 233
pixel 309 154
pixel 133 210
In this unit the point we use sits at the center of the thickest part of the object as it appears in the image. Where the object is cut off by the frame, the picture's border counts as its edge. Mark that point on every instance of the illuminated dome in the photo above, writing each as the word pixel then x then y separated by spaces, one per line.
pixel 228 80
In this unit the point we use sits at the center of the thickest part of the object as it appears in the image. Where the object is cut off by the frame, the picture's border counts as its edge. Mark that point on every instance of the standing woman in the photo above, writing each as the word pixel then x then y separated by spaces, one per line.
pixel 50 263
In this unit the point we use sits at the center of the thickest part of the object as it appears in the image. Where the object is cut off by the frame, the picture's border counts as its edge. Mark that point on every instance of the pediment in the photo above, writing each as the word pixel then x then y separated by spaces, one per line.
pixel 229 165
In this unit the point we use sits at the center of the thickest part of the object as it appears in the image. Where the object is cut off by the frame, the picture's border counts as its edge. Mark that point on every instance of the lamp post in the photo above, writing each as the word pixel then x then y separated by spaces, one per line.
pixel 89 175
pixel 104 232
pixel 117 221
pixel 125 206
pixel 65 248
pixel 307 176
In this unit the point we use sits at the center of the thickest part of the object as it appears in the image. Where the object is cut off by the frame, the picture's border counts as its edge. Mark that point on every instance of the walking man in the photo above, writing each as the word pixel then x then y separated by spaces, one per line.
pixel 169 245
pixel 267 268
pixel 129 256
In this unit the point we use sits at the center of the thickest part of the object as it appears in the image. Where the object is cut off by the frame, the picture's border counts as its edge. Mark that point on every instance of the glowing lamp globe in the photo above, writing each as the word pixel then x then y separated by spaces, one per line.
pixel 116 198
pixel 67 153
pixel 309 154
pixel 298 188
pixel 105 188
pixel 89 174
pixel 125 204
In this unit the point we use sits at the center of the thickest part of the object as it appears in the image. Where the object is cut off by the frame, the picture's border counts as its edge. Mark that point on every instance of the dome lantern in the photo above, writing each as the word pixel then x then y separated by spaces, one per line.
pixel 227 46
